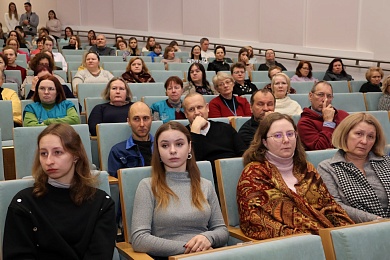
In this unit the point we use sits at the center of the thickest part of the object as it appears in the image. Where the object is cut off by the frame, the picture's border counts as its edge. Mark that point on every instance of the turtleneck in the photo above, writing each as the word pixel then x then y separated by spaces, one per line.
pixel 285 167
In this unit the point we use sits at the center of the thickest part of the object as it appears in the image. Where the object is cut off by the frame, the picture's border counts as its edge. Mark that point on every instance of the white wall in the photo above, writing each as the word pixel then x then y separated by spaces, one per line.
pixel 349 27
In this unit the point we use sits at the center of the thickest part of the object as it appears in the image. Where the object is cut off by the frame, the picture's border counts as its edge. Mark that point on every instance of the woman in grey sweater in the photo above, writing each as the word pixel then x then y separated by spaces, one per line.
pixel 358 175
pixel 176 211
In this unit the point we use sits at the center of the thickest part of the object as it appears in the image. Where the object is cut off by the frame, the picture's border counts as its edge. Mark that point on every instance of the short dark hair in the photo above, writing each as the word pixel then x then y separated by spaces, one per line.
pixel 60 90
pixel 238 65
pixel 263 91
pixel 27 3
pixel 220 47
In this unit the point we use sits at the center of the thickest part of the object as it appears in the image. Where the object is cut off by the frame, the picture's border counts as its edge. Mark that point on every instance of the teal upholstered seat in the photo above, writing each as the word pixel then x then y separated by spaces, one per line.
pixel 239 121
pixel 1 163
pixel 315 157
pixel 6 123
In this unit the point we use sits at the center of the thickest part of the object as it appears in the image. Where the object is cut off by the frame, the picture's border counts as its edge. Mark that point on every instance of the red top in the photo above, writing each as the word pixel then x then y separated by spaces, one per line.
pixel 218 108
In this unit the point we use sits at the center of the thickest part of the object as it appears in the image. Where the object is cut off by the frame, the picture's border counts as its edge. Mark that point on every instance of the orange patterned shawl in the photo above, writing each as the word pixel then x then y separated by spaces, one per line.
pixel 268 208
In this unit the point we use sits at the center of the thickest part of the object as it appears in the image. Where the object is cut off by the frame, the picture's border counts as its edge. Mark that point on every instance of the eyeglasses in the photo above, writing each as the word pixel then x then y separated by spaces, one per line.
pixel 223 83
pixel 239 72
pixel 321 95
pixel 49 89
pixel 278 137
pixel 194 71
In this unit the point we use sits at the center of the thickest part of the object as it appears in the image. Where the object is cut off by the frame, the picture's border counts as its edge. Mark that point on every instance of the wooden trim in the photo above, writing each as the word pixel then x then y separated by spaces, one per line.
pixel 123 205
pixel 221 191
pixel 99 150
pixel 112 180
pixel 127 251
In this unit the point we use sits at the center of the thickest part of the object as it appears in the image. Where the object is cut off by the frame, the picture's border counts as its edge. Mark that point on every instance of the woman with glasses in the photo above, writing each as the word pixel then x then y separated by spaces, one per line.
pixel 50 105
pixel 227 104
pixel 242 86
pixel 303 72
pixel 197 82
pixel 280 86
pixel 279 193
pixel 358 174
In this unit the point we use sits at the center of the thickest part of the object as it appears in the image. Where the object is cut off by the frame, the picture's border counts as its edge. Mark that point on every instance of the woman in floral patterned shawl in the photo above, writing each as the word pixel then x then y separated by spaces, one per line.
pixel 279 193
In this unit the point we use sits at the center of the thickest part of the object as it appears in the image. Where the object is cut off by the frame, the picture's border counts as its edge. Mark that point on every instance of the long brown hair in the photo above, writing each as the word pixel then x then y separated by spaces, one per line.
pixel 160 189
pixel 144 67
pixel 59 89
pixel 15 13
pixel 83 184
pixel 257 150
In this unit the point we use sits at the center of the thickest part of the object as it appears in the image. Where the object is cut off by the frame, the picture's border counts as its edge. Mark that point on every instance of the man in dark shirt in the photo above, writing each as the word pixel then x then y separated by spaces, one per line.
pixel 270 60
pixel 137 150
pixel 210 140
pixel 262 103
pixel 101 47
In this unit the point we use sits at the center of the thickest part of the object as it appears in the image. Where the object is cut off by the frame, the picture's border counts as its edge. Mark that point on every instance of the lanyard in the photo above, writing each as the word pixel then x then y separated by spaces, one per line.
pixel 234 106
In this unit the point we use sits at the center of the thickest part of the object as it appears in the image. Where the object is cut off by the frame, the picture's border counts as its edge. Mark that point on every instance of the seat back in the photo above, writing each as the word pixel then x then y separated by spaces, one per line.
pixel 8 190
pixel 163 75
pixel 228 172
pixel 372 100
pixel 260 76
pixel 118 65
pixel 237 122
pixel 315 157
pixel 129 179
pixel 13 86
pixel 150 100
pixel 85 90
pixel 6 122
pixel 25 145
pixel 274 248
pixel 302 99
pixel 155 66
pixel 318 74
pixel 90 103
pixel 109 134
pixel 105 59
pixel 340 86
pixel 179 66
pixel 360 241
pixel 302 87
pixel 356 85
pixel 140 90
pixel 1 163
pixel 16 74
pixel 350 102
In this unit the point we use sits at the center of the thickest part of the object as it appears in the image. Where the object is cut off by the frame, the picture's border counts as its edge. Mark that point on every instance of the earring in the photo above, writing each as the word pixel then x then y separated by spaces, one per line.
pixel 189 156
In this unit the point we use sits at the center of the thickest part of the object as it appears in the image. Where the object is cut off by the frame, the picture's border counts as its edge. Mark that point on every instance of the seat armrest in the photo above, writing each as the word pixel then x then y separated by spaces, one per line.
pixel 126 250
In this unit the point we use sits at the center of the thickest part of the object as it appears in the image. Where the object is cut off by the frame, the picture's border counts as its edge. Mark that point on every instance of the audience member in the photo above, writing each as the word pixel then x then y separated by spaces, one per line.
pixel 243 58
pixel 318 122
pixel 150 44
pixel 48 45
pixel 2 34
pixel 336 71
pixel 51 55
pixel 39 72
pixel 91 33
pixel 121 45
pixel 39 48
pixel 54 25
pixel 358 174
pixel 197 82
pixel 43 32
pixel 3 66
pixel 156 52
pixel 171 108
pixel 242 86
pixel 137 71
pixel 92 72
pixel 196 56
pixel 50 105
pixel 251 55
pixel 227 104
pixel 280 85
pixel 23 41
pixel 176 205
pixel 9 94
pixel 262 104
pixel 15 44
pixel 101 48
pixel 68 33
pixel 303 72
pixel 74 43
pixel 279 192
pixel 92 41
pixel 384 100
pixel 137 150
pixel 14 35
pixel 220 63
pixel 211 140
pixel 175 46
pixel 169 57
pixel 11 55
pixel 133 47
pixel 11 18
pixel 206 53
pixel 270 61
pixel 118 38
pixel 63 214
pixel 29 20
pixel 118 95
pixel 374 77
pixel 272 71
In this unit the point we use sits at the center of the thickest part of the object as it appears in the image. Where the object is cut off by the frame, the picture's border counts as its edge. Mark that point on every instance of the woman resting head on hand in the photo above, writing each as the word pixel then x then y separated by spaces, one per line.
pixel 176 211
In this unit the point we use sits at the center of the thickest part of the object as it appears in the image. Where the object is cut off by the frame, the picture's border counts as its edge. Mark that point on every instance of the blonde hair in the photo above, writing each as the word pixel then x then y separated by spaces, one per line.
pixel 385 86
pixel 106 91
pixel 286 78
pixel 340 134
pixel 221 76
